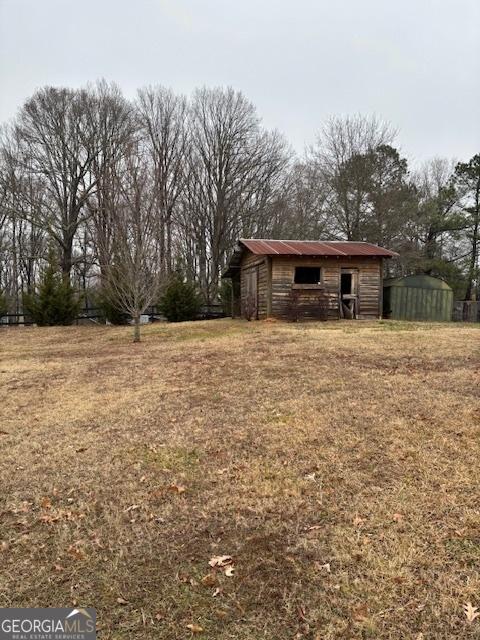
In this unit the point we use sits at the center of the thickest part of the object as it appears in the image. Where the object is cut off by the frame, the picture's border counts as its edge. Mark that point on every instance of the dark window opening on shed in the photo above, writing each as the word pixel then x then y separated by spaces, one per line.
pixel 307 275
pixel 346 284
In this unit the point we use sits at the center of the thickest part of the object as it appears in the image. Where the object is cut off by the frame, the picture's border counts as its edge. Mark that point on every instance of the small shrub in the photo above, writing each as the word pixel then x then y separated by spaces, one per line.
pixel 55 302
pixel 250 307
pixel 293 306
pixel 110 310
pixel 179 301
pixel 3 305
pixel 226 297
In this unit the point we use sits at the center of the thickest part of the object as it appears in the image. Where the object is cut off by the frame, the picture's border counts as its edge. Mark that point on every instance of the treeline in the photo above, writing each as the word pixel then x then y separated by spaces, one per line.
pixel 124 193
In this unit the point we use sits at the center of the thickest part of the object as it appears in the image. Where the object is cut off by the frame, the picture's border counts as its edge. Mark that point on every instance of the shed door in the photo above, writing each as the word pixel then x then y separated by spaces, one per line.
pixel 251 294
pixel 349 293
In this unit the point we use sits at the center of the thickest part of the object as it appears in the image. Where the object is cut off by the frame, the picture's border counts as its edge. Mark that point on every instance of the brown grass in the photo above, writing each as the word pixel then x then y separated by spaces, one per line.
pixel 337 463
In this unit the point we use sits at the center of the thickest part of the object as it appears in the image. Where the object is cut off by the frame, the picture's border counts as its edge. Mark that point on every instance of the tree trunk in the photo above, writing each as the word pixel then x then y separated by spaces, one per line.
pixel 472 268
pixel 67 260
pixel 473 264
pixel 136 327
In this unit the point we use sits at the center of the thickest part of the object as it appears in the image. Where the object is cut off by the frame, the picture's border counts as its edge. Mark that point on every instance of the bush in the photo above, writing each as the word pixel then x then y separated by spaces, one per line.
pixel 179 301
pixel 110 310
pixel 307 304
pixel 55 302
pixel 250 309
pixel 226 297
pixel 3 305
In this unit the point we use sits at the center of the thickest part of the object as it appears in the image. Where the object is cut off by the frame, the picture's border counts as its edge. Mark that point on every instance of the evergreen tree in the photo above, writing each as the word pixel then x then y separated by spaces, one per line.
pixel 3 305
pixel 225 293
pixel 467 180
pixel 180 300
pixel 55 302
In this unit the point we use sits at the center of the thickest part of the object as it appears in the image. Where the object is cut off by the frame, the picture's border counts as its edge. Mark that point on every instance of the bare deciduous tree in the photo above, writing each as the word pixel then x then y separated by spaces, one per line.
pixel 116 125
pixel 163 121
pixel 337 156
pixel 132 279
pixel 235 171
pixel 58 144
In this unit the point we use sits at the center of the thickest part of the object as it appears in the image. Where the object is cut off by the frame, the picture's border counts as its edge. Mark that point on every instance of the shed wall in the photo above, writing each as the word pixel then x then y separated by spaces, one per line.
pixel 257 264
pixel 414 303
pixel 369 278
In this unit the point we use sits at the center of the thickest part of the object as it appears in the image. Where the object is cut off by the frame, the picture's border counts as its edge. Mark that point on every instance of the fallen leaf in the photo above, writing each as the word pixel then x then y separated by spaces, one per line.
pixel 48 519
pixel 195 628
pixel 357 521
pixel 220 561
pixel 216 592
pixel 121 600
pixel 46 503
pixel 360 613
pixel 221 614
pixel 301 613
pixel 209 580
pixel 76 552
pixel 229 571
pixel 132 507
pixel 177 488
pixel 325 566
pixel 397 517
pixel 471 612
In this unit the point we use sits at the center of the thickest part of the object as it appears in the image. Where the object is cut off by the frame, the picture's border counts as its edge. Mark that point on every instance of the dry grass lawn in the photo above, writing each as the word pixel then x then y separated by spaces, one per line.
pixel 337 464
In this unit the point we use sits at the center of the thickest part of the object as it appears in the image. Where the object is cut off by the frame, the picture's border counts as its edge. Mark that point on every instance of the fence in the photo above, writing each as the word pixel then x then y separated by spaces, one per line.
pixel 95 314
pixel 466 311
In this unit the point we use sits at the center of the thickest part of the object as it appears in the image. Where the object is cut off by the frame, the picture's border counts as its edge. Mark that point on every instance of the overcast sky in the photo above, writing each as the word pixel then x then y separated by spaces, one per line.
pixel 415 63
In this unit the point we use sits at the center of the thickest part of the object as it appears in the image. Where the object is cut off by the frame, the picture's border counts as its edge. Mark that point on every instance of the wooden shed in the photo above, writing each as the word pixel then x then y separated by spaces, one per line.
pixel 293 279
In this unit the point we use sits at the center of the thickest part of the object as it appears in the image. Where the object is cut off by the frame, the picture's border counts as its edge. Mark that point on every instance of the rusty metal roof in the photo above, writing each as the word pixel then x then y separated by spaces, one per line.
pixel 328 248
pixel 315 248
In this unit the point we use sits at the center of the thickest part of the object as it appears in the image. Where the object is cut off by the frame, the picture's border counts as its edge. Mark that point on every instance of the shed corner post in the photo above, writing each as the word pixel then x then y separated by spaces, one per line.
pixel 380 293
pixel 268 263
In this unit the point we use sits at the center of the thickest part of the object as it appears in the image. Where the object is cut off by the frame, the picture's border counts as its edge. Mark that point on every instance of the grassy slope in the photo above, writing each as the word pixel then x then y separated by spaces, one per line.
pixel 337 463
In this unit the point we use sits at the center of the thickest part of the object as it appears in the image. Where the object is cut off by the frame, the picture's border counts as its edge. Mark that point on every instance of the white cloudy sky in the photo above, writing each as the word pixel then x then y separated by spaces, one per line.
pixel 413 62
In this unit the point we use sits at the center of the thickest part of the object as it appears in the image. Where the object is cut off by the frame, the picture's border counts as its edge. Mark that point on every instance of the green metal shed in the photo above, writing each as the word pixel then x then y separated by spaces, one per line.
pixel 417 298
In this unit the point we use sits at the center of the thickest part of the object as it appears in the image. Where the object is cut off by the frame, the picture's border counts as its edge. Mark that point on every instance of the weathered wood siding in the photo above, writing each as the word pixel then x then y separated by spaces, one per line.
pixel 258 264
pixel 369 283
pixel 370 288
